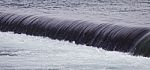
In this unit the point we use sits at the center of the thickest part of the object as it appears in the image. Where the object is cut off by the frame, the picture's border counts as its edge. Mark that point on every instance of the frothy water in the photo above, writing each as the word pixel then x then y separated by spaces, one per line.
pixel 20 51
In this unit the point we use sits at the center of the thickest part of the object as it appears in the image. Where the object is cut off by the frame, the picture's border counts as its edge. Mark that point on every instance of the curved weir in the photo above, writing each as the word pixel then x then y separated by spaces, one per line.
pixel 135 40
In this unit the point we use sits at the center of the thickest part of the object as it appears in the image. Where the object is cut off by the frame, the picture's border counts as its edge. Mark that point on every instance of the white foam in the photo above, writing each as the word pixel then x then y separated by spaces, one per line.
pixel 20 51
pixel 31 52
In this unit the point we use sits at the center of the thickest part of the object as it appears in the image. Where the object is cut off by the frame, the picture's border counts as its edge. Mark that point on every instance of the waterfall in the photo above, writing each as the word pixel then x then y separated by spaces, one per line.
pixel 135 40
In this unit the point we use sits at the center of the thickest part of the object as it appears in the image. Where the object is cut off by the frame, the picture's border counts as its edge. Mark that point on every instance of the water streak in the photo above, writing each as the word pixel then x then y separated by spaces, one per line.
pixel 110 37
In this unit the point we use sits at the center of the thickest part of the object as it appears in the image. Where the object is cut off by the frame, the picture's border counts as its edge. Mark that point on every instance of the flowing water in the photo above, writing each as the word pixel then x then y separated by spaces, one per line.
pixel 116 25
pixel 20 51
pixel 107 36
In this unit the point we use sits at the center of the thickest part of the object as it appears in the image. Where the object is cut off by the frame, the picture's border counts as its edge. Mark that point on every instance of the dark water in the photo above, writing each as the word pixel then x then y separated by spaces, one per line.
pixel 107 36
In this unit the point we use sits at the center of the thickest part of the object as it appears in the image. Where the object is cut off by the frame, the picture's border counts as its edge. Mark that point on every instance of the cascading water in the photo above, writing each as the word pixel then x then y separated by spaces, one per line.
pixel 111 37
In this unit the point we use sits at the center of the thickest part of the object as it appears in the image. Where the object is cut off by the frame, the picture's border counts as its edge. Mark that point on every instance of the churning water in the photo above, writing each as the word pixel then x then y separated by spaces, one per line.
pixel 20 51
pixel 50 42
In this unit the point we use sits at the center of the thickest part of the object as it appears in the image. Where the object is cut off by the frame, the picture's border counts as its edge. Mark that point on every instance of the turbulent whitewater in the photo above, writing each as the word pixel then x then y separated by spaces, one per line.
pixel 74 34
pixel 21 51
pixel 132 39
